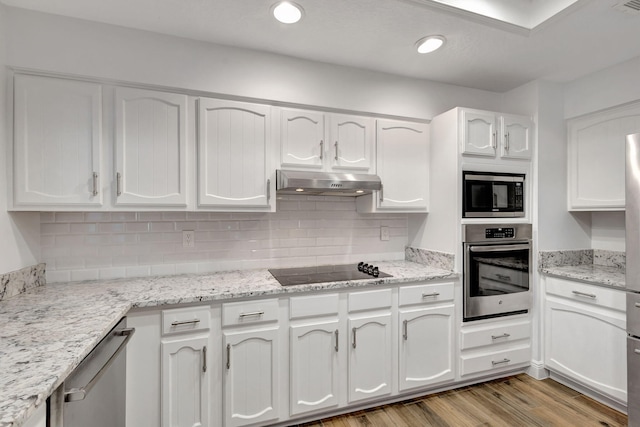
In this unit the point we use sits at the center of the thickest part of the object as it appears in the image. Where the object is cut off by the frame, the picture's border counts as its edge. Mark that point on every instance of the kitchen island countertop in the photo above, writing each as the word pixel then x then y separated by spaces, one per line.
pixel 47 331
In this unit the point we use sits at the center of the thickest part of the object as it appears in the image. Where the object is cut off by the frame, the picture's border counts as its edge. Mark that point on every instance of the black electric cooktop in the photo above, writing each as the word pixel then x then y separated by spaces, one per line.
pixel 326 273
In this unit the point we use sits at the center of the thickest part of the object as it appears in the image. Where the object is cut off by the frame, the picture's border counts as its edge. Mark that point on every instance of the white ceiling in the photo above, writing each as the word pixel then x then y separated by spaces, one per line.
pixel 506 48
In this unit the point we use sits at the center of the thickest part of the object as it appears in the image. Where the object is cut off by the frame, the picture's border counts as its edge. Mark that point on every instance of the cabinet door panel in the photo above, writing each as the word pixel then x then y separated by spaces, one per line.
pixel 314 367
pixel 517 137
pixel 251 377
pixel 233 145
pixel 426 347
pixel 150 148
pixel 403 165
pixel 478 133
pixel 303 139
pixel 185 383
pixel 351 143
pixel 369 357
pixel 588 345
pixel 596 151
pixel 57 127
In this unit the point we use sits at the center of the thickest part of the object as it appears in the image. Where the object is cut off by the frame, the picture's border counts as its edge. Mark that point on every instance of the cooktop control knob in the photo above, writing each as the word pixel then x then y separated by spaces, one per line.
pixel 360 265
pixel 376 272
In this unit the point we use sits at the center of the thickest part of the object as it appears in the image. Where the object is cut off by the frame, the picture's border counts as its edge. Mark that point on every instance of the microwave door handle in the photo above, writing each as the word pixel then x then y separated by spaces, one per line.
pixel 498 248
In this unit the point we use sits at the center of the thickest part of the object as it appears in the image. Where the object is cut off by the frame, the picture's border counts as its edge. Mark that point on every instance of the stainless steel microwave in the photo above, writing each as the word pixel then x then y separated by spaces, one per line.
pixel 492 195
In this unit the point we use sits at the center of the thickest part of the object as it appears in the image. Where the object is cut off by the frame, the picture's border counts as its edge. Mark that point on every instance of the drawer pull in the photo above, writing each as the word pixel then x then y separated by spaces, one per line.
pixel 637 305
pixel 404 329
pixel 204 359
pixel 583 294
pixel 500 362
pixel 185 322
pixel 354 331
pixel 497 337
pixel 337 333
pixel 434 294
pixel 250 314
pixel 636 350
pixel 228 356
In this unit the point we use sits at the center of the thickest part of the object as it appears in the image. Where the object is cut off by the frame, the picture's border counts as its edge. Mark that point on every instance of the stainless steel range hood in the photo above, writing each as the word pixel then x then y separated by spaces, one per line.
pixel 326 183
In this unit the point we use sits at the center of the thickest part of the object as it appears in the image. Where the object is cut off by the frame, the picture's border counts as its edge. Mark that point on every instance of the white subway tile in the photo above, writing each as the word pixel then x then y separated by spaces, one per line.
pixel 185 226
pixel 287 205
pixel 174 216
pixel 230 225
pixel 123 239
pixel 112 273
pixel 48 228
pixel 186 268
pixel 136 227
pixel 69 217
pixel 161 226
pixel 83 228
pixel 123 261
pixel 114 250
pixel 47 217
pixel 163 270
pixel 149 216
pixel 152 237
pixel 123 216
pixel 58 276
pixel 87 274
pixel 149 259
pixel 68 263
pixel 208 225
pixel 111 227
pixel 46 241
pixel 98 261
pixel 97 240
pixel 97 217
pixel 138 271
pixel 197 216
pixel 70 240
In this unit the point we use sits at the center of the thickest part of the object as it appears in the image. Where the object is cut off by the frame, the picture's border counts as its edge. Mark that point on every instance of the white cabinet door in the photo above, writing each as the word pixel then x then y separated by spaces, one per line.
pixel 351 142
pixel 314 366
pixel 402 156
pixel 369 357
pixel 478 133
pixel 151 138
pixel 426 347
pixel 516 137
pixel 302 135
pixel 185 383
pixel 233 150
pixel 251 377
pixel 587 344
pixel 57 143
pixel 596 154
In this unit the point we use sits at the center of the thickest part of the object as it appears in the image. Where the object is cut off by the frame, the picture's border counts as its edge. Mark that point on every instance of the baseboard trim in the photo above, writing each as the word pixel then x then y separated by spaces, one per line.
pixel 537 370
pixel 620 407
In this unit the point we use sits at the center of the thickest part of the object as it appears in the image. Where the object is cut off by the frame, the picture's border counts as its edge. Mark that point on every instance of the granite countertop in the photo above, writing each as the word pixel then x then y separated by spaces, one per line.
pixel 48 330
pixel 591 273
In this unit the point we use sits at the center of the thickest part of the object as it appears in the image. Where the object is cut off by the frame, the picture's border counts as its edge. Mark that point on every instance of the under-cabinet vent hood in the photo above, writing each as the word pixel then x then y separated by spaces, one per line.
pixel 326 183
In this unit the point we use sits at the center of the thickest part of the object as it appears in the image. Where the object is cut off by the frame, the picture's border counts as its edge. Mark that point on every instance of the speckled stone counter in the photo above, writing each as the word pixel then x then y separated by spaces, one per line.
pixel 598 267
pixel 48 330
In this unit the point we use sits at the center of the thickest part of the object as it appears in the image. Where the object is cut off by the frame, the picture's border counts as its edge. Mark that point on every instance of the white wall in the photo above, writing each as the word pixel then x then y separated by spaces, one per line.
pixel 54 43
pixel 608 231
pixel 19 233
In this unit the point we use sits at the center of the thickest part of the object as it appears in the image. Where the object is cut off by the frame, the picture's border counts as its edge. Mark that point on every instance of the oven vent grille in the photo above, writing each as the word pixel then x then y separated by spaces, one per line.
pixel 631 6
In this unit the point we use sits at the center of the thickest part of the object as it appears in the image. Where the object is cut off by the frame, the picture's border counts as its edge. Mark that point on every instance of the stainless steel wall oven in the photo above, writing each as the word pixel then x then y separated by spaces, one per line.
pixel 496 271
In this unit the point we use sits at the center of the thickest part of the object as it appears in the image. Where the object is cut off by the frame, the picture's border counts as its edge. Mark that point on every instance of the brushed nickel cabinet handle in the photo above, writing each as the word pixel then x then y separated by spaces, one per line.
pixel 228 356
pixel 353 331
pixel 268 190
pixel 494 144
pixel 321 149
pixel 252 313
pixel 119 184
pixel 500 362
pixel 336 145
pixel 96 184
pixel 204 359
pixel 506 142
pixel 637 305
pixel 583 294
pixel 497 337
pixel 404 330
pixel 433 294
pixel 185 322
pixel 636 350
pixel 337 335
pixel 381 193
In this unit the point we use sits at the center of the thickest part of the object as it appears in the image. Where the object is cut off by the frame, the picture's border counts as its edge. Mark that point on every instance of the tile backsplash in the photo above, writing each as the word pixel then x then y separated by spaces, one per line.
pixel 303 231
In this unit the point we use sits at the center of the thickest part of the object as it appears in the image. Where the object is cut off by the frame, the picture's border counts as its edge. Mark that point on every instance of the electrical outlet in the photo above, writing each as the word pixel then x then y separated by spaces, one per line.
pixel 188 238
pixel 384 233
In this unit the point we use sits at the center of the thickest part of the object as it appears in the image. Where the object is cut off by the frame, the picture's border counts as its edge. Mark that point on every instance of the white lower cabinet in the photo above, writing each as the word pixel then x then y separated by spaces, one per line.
pixel 370 357
pixel 585 336
pixel 185 382
pixel 426 347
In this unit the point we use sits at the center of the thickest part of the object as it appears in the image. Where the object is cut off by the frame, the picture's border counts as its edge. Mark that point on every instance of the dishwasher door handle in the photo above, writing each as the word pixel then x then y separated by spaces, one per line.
pixel 79 393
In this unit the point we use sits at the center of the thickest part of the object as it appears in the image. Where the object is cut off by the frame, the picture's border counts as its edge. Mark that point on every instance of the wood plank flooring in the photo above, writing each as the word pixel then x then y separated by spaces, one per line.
pixel 509 402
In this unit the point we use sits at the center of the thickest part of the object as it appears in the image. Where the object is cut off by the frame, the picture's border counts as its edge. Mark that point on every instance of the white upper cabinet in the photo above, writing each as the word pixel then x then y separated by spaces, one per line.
pixel 302 137
pixel 57 143
pixel 234 146
pixel 485 133
pixel 596 156
pixel 402 162
pixel 151 137
pixel 352 140
pixel 312 140
pixel 478 133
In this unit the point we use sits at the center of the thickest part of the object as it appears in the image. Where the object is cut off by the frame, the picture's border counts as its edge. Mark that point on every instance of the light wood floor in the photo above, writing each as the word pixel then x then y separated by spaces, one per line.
pixel 514 401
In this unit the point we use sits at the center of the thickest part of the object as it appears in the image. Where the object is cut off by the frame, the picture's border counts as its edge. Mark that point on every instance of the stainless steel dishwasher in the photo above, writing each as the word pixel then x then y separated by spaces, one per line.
pixel 94 394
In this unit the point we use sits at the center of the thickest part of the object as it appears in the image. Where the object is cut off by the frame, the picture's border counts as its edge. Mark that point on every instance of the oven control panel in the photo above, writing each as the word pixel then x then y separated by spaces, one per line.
pixel 500 233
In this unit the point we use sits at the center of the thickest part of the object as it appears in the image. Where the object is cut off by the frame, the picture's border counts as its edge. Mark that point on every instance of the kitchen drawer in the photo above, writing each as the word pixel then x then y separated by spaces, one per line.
pixel 586 293
pixel 492 335
pixel 426 294
pixel 250 312
pixel 495 361
pixel 369 300
pixel 185 320
pixel 310 306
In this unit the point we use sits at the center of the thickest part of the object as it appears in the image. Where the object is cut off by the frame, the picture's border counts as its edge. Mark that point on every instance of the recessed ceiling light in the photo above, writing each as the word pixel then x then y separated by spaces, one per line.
pixel 430 43
pixel 287 12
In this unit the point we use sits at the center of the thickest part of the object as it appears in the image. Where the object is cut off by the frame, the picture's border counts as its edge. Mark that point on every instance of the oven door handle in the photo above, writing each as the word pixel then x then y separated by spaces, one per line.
pixel 498 248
